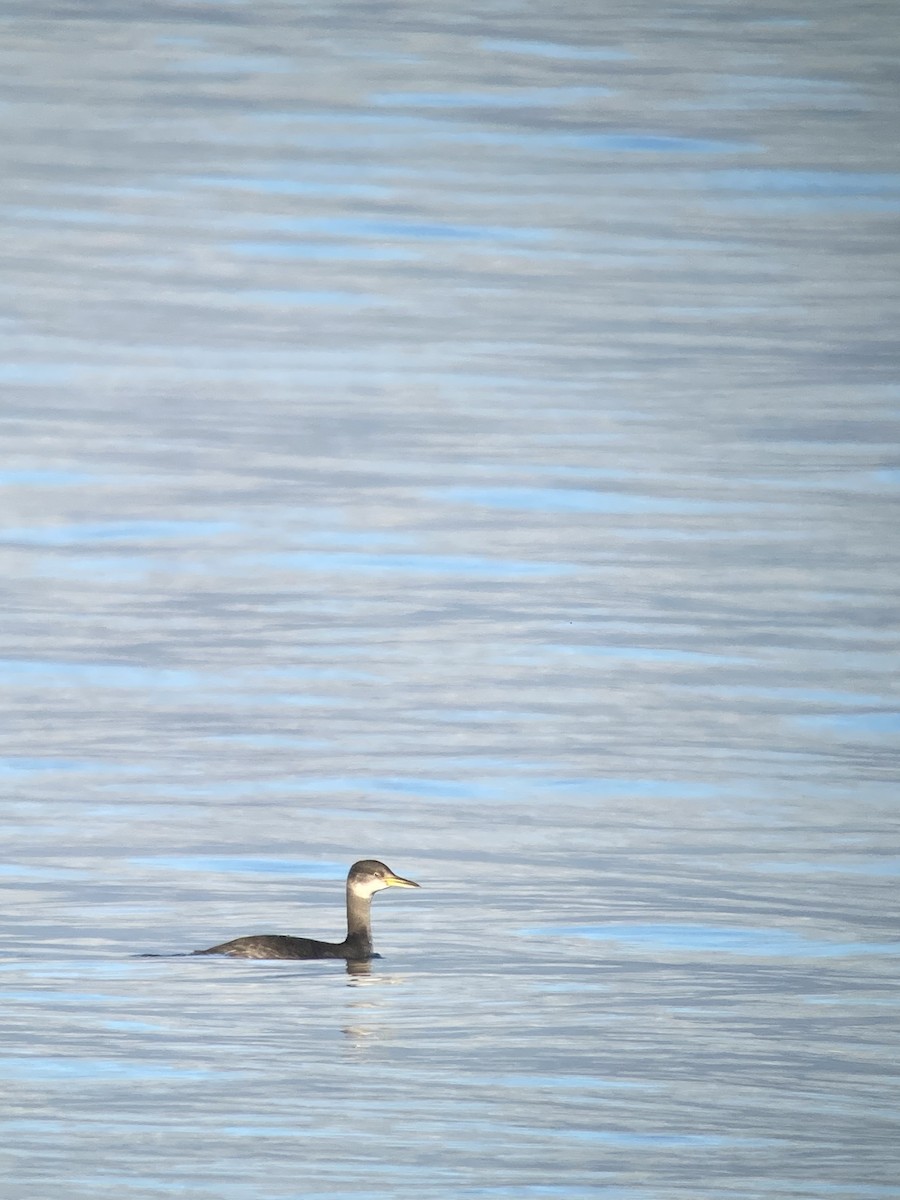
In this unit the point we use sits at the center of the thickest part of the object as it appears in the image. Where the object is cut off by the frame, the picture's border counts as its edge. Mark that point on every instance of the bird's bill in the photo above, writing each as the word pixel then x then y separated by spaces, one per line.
pixel 398 881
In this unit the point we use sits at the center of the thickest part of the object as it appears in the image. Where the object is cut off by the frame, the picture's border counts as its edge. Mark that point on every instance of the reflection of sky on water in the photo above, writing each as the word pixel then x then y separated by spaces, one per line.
pixel 288 298
pixel 875 866
pixel 703 940
pixel 557 500
pixel 474 451
pixel 555 50
pixel 120 531
pixel 43 477
pixel 234 64
pixel 14 764
pixel 520 98
pixel 324 252
pixel 31 1069
pixel 875 723
pixel 378 230
pixel 261 185
pixel 458 567
pixel 22 673
pixel 245 866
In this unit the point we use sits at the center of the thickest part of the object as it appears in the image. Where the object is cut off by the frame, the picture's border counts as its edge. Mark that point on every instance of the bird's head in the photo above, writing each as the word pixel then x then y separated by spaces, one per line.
pixel 370 876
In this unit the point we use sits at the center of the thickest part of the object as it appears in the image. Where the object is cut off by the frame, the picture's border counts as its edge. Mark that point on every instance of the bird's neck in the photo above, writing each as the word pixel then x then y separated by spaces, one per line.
pixel 359 923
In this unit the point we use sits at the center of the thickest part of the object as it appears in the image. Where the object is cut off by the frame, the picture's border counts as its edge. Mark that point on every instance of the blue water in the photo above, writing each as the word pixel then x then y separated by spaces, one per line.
pixel 705 939
pixel 465 438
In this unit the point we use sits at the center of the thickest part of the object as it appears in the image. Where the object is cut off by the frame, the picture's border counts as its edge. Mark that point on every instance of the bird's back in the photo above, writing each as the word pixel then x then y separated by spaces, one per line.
pixel 277 945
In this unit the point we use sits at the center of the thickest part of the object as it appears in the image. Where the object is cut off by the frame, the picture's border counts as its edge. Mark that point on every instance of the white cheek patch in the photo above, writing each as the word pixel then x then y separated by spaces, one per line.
pixel 369 888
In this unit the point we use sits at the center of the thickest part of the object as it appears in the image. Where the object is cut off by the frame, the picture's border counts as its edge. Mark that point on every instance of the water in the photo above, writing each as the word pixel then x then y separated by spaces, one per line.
pixel 466 438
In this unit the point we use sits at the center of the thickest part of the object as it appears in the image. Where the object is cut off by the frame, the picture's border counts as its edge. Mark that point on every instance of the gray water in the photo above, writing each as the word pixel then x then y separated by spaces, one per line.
pixel 464 436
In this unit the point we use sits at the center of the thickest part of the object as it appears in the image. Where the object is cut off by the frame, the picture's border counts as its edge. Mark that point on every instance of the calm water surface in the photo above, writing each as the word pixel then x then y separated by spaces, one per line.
pixel 466 437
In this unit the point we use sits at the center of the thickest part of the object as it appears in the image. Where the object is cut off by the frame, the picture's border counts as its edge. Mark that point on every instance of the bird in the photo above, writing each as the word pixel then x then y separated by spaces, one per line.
pixel 364 879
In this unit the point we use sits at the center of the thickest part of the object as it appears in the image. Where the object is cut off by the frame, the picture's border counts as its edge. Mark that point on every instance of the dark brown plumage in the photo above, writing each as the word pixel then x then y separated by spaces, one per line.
pixel 363 881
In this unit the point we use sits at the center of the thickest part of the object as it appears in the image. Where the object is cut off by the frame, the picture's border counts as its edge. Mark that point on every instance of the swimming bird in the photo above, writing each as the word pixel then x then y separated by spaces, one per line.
pixel 365 878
